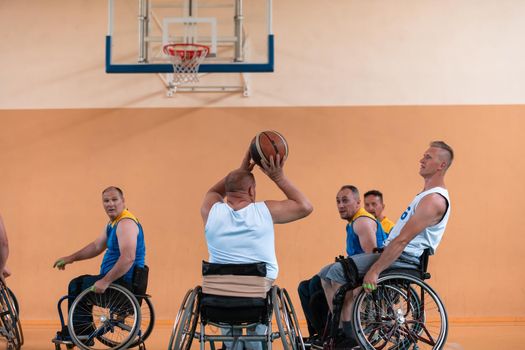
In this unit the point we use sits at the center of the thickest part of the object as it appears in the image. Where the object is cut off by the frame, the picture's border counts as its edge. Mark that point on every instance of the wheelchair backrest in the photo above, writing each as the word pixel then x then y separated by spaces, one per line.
pixel 252 269
pixel 238 280
pixel 139 283
pixel 424 264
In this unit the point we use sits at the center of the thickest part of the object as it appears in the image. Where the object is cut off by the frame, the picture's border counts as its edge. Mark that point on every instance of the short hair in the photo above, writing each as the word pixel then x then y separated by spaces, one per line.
pixel 374 193
pixel 352 188
pixel 239 180
pixel 448 151
pixel 114 188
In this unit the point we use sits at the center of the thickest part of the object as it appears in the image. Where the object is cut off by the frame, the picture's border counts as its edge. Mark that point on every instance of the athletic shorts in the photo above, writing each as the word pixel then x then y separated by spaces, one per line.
pixel 334 272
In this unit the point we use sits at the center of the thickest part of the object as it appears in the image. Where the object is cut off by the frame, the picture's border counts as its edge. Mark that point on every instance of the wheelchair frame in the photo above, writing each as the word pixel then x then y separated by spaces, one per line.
pixel 402 312
pixel 277 301
pixel 10 326
pixel 395 315
pixel 111 316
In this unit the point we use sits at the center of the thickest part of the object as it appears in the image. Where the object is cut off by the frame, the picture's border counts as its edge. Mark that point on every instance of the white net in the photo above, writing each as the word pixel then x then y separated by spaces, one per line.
pixel 186 59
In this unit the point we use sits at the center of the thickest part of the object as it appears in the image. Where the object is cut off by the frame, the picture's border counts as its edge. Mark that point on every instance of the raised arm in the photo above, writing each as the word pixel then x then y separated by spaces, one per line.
pixel 429 212
pixel 218 191
pixel 214 195
pixel 4 250
pixel 89 251
pixel 127 233
pixel 296 206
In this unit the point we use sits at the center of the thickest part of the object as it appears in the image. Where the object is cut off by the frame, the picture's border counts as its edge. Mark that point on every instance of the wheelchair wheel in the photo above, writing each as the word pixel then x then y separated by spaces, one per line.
pixel 147 321
pixel 16 308
pixel 294 323
pixel 110 320
pixel 186 321
pixel 286 320
pixel 10 322
pixel 402 313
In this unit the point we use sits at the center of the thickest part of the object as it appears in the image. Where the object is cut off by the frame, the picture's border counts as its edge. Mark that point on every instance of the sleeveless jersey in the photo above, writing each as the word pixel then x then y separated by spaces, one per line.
pixel 431 235
pixel 353 246
pixel 241 236
pixel 387 225
pixel 113 252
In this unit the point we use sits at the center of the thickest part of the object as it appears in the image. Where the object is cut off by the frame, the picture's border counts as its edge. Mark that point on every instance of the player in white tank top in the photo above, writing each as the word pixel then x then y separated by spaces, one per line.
pixel 242 236
pixel 431 235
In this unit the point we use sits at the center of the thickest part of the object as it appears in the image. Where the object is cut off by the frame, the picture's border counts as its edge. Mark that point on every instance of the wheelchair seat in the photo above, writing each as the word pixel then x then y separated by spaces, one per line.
pixel 235 297
pixel 419 271
pixel 233 310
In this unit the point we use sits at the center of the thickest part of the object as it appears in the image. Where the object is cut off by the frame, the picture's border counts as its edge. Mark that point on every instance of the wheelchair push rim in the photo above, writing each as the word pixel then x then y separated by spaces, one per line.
pixel 9 320
pixel 147 322
pixel 114 319
pixel 402 313
pixel 286 318
pixel 14 304
pixel 186 321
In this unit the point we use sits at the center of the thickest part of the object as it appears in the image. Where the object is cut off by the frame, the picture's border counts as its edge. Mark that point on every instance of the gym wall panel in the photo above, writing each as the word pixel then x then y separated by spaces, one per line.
pixel 340 52
pixel 56 162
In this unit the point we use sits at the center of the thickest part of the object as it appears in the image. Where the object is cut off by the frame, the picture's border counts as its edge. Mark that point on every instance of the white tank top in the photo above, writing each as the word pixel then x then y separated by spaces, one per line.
pixel 241 236
pixel 430 236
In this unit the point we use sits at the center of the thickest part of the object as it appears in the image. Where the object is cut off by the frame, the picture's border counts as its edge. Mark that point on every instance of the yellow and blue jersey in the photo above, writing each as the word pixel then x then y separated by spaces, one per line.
pixel 353 246
pixel 113 252
pixel 387 225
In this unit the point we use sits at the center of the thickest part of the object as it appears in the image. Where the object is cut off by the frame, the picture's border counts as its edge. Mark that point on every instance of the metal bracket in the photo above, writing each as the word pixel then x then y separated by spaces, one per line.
pixel 172 88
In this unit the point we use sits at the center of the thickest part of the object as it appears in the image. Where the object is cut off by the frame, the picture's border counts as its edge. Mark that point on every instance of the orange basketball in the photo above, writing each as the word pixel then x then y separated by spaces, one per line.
pixel 266 144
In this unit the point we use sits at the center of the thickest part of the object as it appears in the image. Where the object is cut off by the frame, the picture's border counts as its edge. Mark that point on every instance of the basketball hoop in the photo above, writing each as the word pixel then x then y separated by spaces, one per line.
pixel 186 59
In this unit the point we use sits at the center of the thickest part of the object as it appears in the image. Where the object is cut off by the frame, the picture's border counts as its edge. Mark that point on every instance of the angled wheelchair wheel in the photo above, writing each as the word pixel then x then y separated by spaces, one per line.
pixel 16 308
pixel 147 321
pixel 10 326
pixel 402 313
pixel 286 320
pixel 186 321
pixel 292 318
pixel 110 320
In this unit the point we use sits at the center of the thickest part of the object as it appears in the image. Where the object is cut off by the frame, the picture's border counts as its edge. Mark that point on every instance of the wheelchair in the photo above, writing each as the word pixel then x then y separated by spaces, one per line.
pixel 10 327
pixel 119 318
pixel 403 313
pixel 234 315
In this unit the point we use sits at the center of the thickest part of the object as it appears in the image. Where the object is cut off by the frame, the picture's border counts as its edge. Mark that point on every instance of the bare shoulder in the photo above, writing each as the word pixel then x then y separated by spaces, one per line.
pixel 210 200
pixel 364 224
pixel 435 200
pixel 127 225
pixel 433 204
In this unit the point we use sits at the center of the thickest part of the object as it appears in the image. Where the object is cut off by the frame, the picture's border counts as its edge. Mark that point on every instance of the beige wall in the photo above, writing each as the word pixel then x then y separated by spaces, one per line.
pixel 56 162
pixel 337 52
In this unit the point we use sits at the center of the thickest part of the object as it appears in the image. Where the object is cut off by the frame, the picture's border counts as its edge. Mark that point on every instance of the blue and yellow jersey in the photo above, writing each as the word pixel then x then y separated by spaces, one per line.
pixel 353 246
pixel 113 252
pixel 387 225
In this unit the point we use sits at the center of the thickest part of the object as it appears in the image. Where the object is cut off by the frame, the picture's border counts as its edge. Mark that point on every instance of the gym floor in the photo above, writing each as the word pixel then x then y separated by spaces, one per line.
pixel 461 337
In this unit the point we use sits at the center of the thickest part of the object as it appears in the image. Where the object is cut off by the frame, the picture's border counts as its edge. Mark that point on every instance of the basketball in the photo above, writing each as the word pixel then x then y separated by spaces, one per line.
pixel 266 144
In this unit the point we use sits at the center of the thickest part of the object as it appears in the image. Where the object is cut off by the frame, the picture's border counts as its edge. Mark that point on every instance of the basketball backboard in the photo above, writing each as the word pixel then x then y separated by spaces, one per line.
pixel 237 32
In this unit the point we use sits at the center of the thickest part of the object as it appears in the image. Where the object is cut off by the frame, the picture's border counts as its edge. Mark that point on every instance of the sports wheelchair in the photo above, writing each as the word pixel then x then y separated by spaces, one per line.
pixel 403 313
pixel 234 314
pixel 10 327
pixel 119 318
